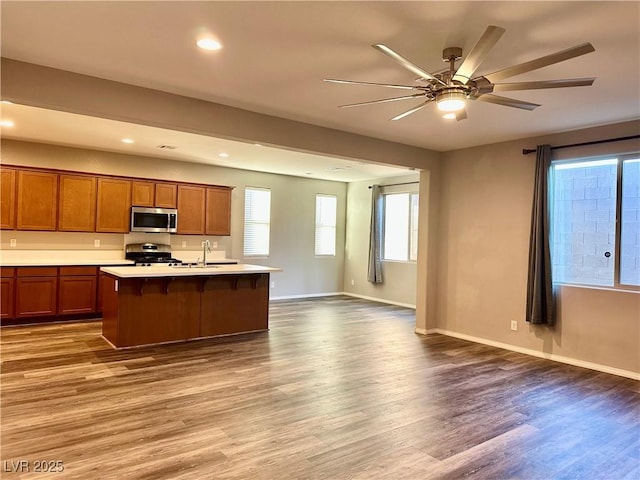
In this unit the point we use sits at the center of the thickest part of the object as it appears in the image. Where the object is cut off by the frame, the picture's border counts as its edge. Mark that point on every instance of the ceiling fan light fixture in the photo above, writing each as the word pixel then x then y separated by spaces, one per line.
pixel 450 101
pixel 449 116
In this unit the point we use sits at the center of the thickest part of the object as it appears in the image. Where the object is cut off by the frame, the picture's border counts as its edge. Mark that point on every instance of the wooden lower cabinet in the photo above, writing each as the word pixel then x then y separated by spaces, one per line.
pixel 36 291
pixel 154 310
pixel 7 295
pixel 234 303
pixel 142 311
pixel 48 293
pixel 77 290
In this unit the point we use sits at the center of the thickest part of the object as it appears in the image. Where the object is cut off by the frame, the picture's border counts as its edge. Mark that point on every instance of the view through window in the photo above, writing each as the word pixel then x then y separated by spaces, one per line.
pixel 588 245
pixel 401 226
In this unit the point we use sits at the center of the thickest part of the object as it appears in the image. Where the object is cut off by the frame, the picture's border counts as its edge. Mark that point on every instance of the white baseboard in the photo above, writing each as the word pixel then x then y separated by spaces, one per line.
pixel 348 294
pixel 307 295
pixel 535 353
pixel 380 300
pixel 423 331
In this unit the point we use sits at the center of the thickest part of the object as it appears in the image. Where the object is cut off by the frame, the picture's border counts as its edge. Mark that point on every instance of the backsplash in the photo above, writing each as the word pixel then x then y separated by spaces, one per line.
pixel 80 241
pixel 25 240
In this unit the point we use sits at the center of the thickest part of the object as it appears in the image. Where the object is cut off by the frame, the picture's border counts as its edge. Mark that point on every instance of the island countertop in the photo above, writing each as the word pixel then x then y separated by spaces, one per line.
pixel 184 271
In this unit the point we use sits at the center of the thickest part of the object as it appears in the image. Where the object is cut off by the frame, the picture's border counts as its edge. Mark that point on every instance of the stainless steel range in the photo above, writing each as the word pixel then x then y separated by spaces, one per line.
pixel 150 254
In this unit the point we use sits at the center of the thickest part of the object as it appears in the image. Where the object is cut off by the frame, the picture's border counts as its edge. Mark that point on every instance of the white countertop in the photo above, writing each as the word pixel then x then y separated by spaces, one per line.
pixel 45 258
pixel 54 258
pixel 159 272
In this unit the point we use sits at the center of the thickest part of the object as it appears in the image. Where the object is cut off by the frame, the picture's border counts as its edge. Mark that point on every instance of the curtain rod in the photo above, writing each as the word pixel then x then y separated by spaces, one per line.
pixel 527 151
pixel 394 184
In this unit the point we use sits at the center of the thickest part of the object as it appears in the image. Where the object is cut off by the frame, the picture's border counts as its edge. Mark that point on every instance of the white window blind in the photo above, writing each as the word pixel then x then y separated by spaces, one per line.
pixel 326 213
pixel 257 218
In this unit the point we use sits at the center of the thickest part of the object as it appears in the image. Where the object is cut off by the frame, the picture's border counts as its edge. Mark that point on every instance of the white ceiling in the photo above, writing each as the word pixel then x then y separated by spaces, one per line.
pixel 68 129
pixel 275 55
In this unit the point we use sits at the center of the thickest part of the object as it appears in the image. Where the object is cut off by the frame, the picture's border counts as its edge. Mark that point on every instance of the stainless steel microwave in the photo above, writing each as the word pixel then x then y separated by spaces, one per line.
pixel 154 220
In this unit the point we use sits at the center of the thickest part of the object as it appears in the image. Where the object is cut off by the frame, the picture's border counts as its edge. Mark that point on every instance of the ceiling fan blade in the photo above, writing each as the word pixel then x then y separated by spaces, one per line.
pixel 384 100
pixel 540 62
pixel 572 82
pixel 461 115
pixel 507 102
pixel 478 53
pixel 405 63
pixel 388 85
pixel 413 110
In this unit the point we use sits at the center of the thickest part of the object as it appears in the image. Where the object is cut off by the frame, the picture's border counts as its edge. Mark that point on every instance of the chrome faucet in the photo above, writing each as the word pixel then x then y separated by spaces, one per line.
pixel 206 247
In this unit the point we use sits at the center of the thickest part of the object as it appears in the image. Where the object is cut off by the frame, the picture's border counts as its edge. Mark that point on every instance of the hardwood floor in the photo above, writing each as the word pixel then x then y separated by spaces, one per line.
pixel 339 388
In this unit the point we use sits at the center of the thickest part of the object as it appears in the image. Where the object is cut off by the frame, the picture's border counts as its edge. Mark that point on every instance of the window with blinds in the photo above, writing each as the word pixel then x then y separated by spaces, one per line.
pixel 326 214
pixel 257 218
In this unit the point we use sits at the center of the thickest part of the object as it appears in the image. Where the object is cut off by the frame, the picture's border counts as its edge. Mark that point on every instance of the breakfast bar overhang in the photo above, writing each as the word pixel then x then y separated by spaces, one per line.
pixel 152 305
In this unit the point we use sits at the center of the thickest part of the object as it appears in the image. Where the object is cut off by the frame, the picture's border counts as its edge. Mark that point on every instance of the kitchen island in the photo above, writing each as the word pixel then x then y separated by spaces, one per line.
pixel 150 305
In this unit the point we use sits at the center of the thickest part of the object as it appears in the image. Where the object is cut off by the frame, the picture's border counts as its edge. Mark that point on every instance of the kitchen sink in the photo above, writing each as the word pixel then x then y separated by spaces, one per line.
pixel 196 266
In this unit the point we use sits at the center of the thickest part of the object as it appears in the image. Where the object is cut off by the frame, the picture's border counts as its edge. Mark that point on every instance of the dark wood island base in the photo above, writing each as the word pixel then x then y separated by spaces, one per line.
pixel 151 310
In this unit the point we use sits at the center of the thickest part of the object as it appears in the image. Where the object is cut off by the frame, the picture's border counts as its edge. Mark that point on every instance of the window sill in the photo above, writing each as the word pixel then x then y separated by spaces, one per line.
pixel 597 287
pixel 409 262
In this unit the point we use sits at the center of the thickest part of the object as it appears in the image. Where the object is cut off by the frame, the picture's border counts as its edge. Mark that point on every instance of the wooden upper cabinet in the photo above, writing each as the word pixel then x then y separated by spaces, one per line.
pixel 8 202
pixel 37 200
pixel 114 205
pixel 150 194
pixel 191 208
pixel 142 194
pixel 218 211
pixel 166 195
pixel 77 203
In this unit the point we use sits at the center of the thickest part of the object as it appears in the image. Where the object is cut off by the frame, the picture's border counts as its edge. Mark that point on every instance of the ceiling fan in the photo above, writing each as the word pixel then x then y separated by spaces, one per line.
pixel 452 87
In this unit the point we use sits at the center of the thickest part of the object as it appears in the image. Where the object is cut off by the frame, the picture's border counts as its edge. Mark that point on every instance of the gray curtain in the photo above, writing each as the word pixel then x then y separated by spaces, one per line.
pixel 540 294
pixel 375 236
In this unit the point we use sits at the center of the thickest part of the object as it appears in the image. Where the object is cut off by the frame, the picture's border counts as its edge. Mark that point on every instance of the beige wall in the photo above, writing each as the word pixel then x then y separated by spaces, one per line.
pixel 399 277
pixel 483 242
pixel 474 214
pixel 292 222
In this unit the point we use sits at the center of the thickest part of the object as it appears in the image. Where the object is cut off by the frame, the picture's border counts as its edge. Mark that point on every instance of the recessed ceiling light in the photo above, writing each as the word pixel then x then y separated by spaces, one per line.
pixel 223 155
pixel 127 140
pixel 6 123
pixel 209 44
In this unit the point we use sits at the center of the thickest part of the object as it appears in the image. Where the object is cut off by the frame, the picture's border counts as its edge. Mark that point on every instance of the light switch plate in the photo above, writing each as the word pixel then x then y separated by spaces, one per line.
pixel 12 242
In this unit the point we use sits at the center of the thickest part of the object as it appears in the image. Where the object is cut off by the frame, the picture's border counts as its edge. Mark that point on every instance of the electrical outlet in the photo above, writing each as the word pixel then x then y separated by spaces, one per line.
pixel 273 284
pixel 514 325
pixel 214 244
pixel 353 282
pixel 12 242
pixel 184 243
pixel 96 243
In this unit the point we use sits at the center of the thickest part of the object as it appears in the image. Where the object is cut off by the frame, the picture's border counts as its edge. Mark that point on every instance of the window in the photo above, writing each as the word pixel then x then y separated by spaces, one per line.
pixel 588 244
pixel 326 211
pixel 401 226
pixel 257 217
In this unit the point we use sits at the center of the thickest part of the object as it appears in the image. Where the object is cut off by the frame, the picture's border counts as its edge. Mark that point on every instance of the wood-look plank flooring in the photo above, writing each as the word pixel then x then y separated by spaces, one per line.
pixel 339 388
